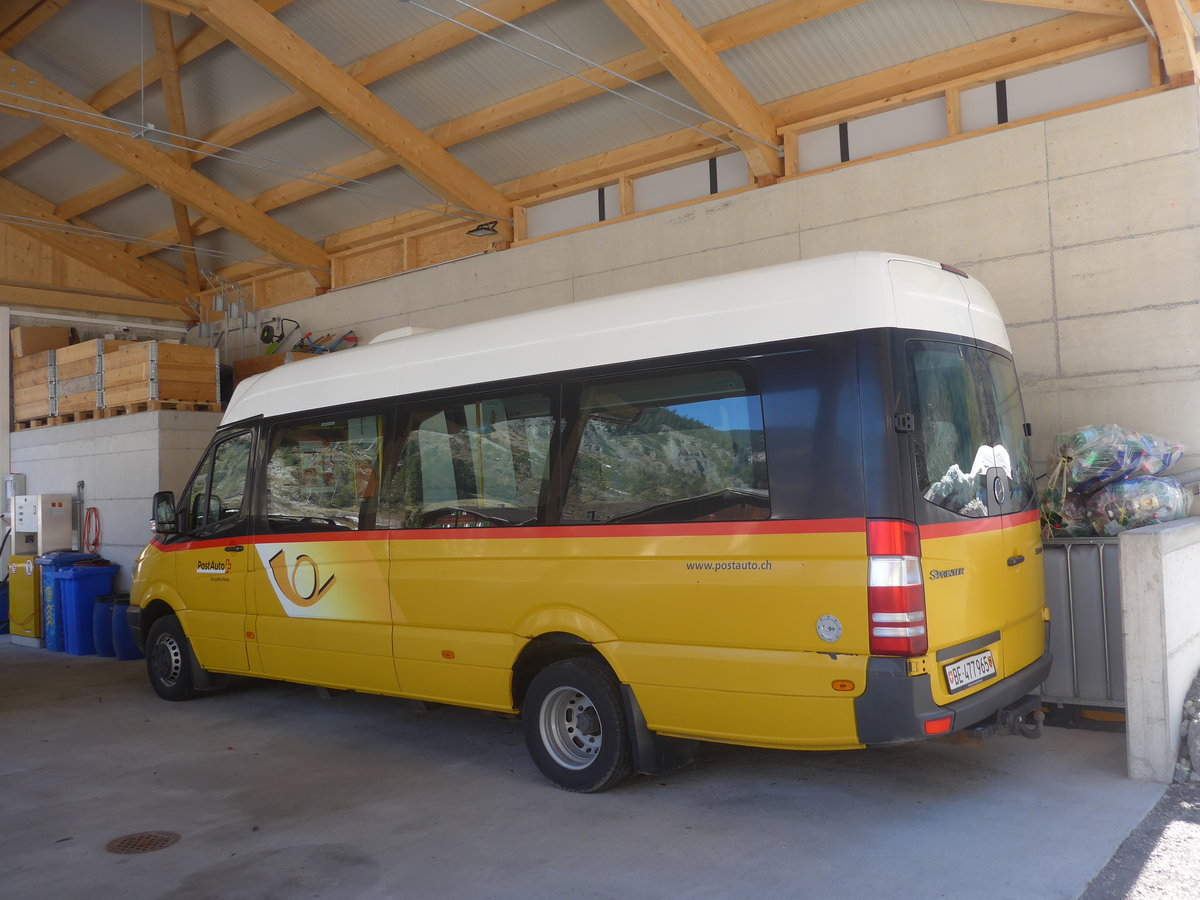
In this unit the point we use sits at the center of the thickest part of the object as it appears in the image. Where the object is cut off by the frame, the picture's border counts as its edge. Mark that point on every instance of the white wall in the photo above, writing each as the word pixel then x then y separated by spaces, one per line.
pixel 1160 611
pixel 122 462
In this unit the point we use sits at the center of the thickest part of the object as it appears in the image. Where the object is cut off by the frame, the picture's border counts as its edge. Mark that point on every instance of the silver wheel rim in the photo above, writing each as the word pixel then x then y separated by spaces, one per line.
pixel 168 659
pixel 570 728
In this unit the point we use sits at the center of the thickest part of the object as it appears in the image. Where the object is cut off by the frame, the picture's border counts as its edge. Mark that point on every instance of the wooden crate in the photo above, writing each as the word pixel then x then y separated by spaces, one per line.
pixel 150 372
pixel 244 368
pixel 79 373
pixel 32 341
pixel 33 386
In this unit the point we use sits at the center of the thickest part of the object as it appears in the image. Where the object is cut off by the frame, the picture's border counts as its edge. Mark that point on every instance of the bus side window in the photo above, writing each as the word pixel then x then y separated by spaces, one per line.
pixel 472 464
pixel 218 489
pixel 676 447
pixel 323 474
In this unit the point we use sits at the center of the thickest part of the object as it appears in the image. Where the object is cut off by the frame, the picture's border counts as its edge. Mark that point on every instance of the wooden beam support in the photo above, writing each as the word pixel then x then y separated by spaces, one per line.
pixel 76 120
pixel 54 297
pixel 300 65
pixel 103 256
pixel 1176 38
pixel 683 52
pixel 164 43
pixel 726 34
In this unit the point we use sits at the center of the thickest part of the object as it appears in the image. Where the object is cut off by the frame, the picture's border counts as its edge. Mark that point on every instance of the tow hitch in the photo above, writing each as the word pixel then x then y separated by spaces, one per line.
pixel 1024 717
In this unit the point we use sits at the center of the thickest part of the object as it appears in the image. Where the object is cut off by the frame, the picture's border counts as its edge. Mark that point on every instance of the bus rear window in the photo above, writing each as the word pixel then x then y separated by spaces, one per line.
pixel 969 426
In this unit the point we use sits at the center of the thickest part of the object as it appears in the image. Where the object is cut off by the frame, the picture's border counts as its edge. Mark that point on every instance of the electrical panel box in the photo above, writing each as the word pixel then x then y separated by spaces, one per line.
pixel 42 523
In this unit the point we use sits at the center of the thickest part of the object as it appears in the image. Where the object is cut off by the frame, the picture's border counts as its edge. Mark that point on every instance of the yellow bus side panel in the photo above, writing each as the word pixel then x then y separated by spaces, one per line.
pixel 473 668
pixel 209 634
pixel 758 720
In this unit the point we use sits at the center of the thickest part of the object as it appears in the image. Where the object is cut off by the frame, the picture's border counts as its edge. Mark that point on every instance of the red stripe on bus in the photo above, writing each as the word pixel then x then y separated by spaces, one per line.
pixel 979 526
pixel 685 529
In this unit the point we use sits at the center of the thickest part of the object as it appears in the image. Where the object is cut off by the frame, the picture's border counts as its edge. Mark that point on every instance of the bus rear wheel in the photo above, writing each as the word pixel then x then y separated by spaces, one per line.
pixel 575 726
pixel 169 660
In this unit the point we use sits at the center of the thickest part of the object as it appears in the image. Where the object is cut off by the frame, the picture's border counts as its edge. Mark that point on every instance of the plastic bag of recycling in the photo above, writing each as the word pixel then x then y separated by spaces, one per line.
pixel 1064 515
pixel 1095 455
pixel 1136 502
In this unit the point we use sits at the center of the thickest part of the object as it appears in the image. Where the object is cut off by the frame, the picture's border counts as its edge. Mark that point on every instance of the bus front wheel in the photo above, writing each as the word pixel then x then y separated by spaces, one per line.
pixel 169 660
pixel 575 726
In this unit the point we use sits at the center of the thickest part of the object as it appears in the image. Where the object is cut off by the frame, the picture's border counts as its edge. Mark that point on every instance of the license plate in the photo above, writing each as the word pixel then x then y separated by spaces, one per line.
pixel 970 671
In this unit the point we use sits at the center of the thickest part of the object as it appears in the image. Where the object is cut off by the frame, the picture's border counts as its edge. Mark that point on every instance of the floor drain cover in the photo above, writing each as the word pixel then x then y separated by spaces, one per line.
pixel 142 842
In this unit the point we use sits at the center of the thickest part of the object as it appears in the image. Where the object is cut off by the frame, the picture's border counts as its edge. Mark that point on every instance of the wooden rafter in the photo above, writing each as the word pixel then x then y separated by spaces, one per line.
pixel 683 52
pixel 28 294
pixel 164 43
pixel 300 65
pixel 416 49
pixel 1176 37
pixel 76 120
pixel 723 35
pixel 192 47
pixel 27 210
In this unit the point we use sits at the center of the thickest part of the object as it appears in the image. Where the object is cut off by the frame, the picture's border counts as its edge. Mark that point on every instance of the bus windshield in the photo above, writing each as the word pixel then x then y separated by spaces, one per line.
pixel 969 425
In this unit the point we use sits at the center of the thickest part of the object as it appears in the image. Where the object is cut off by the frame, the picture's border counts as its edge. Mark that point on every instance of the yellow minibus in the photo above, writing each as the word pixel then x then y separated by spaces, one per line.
pixel 790 507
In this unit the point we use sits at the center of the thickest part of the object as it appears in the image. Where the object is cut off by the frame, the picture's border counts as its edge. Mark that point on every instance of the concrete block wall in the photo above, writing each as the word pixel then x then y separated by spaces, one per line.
pixel 1160 612
pixel 122 462
pixel 1086 228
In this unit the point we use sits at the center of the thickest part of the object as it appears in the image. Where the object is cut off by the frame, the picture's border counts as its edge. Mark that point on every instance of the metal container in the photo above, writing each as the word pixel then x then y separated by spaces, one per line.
pixel 1083 592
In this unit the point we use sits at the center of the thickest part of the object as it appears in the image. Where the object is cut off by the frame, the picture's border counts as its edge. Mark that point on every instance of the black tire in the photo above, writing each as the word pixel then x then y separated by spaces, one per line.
pixel 169 660
pixel 575 726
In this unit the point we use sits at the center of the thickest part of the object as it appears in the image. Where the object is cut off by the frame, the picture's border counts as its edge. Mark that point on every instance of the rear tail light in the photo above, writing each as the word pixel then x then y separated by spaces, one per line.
pixel 895 594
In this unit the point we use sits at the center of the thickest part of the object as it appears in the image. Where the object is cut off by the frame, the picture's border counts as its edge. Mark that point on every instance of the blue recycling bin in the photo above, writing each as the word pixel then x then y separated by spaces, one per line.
pixel 3 607
pixel 102 635
pixel 78 587
pixel 52 612
pixel 124 645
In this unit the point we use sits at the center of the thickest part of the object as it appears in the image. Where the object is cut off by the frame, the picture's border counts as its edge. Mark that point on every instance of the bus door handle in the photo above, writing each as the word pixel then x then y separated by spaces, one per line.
pixel 1015 560
pixel 238 548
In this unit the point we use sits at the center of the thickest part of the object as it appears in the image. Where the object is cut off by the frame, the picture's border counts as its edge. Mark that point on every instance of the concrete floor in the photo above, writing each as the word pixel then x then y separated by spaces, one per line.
pixel 278 793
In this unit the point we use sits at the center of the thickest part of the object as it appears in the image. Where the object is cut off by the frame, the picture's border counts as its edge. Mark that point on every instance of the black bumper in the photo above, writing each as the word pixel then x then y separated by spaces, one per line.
pixel 895 706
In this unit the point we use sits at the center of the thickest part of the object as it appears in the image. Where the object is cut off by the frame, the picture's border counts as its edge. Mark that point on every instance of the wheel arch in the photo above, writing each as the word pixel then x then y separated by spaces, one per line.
pixel 544 650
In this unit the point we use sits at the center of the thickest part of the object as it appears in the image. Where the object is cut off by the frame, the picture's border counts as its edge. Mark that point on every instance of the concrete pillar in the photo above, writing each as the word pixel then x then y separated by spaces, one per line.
pixel 1160 611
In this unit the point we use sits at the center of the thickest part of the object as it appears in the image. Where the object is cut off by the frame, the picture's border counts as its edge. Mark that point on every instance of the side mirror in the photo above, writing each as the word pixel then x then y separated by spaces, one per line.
pixel 162 516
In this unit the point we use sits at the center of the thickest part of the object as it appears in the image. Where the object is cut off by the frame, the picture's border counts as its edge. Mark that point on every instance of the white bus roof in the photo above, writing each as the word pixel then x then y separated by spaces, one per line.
pixel 847 292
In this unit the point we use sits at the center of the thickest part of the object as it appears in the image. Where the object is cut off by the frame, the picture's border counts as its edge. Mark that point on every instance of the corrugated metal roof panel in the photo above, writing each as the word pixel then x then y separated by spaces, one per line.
pixel 61 171
pixel 484 71
pixel 145 211
pixel 576 132
pixel 704 12
pixel 348 30
pixel 389 193
pixel 223 85
pixel 867 38
pixel 66 50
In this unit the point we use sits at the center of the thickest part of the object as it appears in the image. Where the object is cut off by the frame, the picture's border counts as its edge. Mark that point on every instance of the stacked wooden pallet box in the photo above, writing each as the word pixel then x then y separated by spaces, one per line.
pixel 151 375
pixel 103 378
